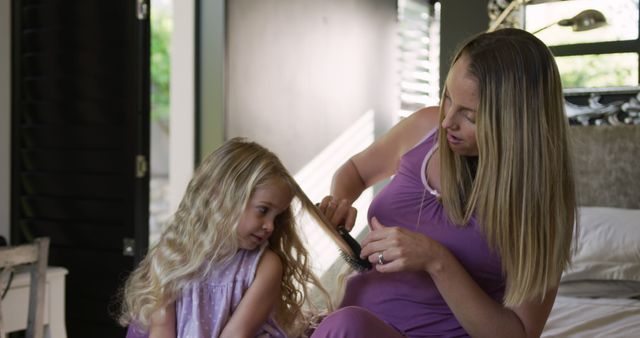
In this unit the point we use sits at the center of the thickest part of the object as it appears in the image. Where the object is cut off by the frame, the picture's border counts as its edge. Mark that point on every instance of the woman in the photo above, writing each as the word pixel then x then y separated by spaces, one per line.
pixel 472 234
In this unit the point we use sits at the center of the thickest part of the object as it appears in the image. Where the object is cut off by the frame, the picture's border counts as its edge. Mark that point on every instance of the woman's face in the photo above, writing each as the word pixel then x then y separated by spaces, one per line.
pixel 258 220
pixel 462 97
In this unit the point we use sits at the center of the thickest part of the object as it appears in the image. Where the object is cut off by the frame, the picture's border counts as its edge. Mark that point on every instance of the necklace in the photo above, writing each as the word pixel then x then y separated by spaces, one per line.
pixel 425 177
pixel 424 193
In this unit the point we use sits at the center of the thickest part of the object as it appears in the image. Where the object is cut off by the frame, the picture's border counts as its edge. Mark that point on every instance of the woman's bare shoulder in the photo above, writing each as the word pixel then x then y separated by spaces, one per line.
pixel 416 126
pixel 427 117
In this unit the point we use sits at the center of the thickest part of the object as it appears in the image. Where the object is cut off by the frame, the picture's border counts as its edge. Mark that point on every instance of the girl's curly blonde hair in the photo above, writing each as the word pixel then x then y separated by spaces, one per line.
pixel 202 234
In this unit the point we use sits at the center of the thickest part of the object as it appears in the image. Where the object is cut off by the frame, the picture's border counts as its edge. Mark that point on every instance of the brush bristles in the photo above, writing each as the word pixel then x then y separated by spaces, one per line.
pixel 357 264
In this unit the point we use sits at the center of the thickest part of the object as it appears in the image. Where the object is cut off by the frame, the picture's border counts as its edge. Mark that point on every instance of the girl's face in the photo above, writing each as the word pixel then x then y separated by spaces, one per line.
pixel 257 221
pixel 461 101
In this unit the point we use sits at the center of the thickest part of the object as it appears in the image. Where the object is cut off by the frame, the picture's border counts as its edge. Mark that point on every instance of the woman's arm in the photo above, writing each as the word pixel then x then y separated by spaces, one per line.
pixel 259 300
pixel 479 314
pixel 163 322
pixel 375 163
pixel 380 160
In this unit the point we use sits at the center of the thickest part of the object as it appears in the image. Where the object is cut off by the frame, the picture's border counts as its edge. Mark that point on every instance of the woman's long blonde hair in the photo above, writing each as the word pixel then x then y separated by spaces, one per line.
pixel 201 235
pixel 521 185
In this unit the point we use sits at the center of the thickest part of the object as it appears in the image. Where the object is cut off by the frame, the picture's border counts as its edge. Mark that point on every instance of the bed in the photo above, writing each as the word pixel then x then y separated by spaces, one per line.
pixel 599 295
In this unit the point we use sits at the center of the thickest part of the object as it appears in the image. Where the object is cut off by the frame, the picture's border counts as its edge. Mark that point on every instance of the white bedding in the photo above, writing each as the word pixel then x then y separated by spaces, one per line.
pixel 594 317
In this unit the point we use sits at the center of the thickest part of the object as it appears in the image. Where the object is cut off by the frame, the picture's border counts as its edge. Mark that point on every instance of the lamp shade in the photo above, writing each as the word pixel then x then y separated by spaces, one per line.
pixel 585 20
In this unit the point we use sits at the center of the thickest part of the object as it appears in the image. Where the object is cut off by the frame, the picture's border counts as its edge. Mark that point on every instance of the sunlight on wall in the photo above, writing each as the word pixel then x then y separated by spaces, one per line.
pixel 315 180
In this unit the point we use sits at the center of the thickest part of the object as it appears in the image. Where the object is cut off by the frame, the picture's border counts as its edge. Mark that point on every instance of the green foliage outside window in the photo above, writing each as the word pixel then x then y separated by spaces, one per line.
pixel 604 70
pixel 161 26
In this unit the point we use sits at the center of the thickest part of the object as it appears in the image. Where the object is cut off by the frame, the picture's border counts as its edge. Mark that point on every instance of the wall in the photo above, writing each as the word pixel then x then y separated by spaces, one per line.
pixel 324 63
pixel 459 20
pixel 5 116
pixel 315 82
pixel 301 72
pixel 182 98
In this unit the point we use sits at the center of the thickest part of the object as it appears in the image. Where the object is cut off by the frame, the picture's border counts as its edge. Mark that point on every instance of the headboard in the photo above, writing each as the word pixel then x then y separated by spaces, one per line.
pixel 607 165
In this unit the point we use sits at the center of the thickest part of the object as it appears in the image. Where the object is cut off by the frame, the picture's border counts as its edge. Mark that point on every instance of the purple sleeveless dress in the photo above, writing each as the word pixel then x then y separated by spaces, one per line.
pixel 410 301
pixel 205 307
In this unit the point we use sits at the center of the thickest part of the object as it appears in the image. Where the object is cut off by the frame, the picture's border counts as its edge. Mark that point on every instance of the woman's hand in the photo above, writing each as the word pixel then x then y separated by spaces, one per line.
pixel 399 249
pixel 339 211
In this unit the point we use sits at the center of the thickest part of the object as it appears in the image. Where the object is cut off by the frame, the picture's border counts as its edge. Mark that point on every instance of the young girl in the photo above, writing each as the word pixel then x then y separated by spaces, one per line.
pixel 230 263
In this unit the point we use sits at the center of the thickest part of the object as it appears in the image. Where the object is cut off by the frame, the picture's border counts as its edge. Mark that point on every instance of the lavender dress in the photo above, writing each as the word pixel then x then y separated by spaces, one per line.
pixel 206 306
pixel 408 304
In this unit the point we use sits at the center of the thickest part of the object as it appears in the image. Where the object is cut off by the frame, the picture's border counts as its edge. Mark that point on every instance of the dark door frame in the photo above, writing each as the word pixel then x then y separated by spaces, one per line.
pixel 80 146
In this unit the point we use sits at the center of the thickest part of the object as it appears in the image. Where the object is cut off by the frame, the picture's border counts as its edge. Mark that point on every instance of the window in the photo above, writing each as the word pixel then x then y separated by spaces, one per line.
pixel 599 70
pixel 419 49
pixel 598 46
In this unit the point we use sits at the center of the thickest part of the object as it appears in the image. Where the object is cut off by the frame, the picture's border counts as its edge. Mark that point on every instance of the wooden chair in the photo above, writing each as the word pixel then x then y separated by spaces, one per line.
pixel 35 256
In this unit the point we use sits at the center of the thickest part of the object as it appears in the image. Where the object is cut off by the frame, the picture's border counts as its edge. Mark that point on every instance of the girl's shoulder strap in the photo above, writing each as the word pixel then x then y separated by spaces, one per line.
pixel 242 265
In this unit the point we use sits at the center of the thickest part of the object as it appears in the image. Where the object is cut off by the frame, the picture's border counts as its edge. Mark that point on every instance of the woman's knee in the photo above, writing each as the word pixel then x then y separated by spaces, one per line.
pixel 352 321
pixel 351 316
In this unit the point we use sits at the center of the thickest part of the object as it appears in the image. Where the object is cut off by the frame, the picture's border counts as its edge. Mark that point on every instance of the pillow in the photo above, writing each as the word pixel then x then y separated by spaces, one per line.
pixel 607 252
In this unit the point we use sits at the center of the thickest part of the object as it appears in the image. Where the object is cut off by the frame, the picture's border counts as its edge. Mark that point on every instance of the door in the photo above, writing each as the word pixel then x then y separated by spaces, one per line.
pixel 80 145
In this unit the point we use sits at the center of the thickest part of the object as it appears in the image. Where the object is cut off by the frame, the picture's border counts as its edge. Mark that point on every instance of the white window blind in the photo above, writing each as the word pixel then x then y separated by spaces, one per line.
pixel 419 44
